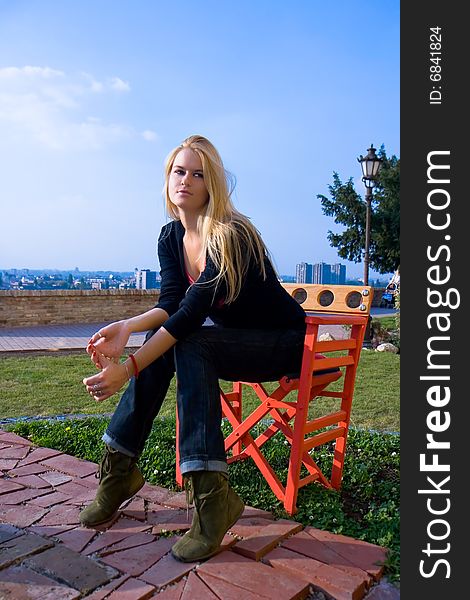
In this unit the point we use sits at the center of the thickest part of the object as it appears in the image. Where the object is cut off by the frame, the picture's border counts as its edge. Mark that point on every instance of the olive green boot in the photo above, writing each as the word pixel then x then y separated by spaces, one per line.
pixel 120 479
pixel 216 508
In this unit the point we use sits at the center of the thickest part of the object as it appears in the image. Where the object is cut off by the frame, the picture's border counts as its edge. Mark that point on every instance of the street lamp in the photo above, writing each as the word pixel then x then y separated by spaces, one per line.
pixel 370 166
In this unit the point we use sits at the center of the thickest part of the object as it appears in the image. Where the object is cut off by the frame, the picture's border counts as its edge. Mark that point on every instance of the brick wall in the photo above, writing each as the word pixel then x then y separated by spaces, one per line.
pixel 42 307
pixel 22 308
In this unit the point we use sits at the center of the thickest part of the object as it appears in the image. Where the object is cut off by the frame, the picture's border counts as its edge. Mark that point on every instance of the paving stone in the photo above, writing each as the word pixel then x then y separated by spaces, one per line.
pixel 32 481
pixel 337 583
pixel 22 495
pixel 135 509
pixel 61 515
pixel 50 500
pixel 227 590
pixel 37 454
pixel 174 591
pixel 137 560
pixel 250 512
pixel 245 527
pixel 70 465
pixel 364 555
pixel 77 571
pixel 28 591
pixel 168 519
pixel 76 538
pixel 21 574
pixel 90 481
pixel 32 469
pixel 134 540
pixel 50 530
pixel 7 486
pixel 104 591
pixel 20 547
pixel 7 437
pixel 132 589
pixel 176 500
pixel 383 591
pixel 254 576
pixel 7 532
pixel 227 542
pixel 167 570
pixel 312 548
pixel 55 478
pixel 6 464
pixel 154 493
pixel 22 516
pixel 121 529
pixel 87 483
pixel 78 494
pixel 17 452
pixel 196 588
pixel 258 544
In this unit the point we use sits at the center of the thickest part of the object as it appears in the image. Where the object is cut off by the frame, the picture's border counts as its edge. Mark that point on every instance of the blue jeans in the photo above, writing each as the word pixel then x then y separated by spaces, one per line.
pixel 200 360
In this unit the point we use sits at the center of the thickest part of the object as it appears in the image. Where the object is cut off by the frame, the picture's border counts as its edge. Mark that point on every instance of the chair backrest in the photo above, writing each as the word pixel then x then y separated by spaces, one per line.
pixel 315 297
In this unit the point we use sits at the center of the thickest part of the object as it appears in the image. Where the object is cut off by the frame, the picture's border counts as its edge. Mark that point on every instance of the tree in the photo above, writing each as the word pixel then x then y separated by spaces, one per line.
pixel 348 209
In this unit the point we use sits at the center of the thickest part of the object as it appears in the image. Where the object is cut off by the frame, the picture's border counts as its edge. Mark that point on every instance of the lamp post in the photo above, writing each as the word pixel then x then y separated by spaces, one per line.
pixel 370 166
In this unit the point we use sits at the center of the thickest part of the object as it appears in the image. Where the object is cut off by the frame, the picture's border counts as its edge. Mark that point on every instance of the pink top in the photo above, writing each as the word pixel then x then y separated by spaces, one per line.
pixel 191 281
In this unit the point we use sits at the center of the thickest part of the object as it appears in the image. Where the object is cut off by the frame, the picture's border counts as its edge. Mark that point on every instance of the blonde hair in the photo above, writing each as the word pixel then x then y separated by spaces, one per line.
pixel 229 237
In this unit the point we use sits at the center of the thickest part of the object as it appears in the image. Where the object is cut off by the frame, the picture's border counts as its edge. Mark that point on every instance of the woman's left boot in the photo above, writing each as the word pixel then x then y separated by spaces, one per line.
pixel 216 508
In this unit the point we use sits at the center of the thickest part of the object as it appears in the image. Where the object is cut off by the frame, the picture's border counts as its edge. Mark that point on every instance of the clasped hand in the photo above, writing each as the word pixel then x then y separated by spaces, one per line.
pixel 105 348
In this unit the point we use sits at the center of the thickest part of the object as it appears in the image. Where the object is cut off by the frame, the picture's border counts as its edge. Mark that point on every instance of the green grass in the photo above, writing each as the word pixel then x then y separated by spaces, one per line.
pixel 49 385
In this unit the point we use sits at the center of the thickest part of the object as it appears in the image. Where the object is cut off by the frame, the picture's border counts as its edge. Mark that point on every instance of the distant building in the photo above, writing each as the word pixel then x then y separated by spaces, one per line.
pixel 338 274
pixel 304 273
pixel 145 279
pixel 321 273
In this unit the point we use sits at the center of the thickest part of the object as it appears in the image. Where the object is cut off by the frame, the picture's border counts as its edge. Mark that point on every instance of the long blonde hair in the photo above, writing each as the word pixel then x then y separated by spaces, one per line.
pixel 227 236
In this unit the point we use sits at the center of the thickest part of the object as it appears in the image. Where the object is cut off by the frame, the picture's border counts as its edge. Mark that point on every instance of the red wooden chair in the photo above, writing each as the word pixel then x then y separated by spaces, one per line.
pixel 339 305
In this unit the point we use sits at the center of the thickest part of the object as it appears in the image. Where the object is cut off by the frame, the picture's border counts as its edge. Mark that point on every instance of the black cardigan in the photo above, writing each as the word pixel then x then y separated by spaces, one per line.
pixel 261 304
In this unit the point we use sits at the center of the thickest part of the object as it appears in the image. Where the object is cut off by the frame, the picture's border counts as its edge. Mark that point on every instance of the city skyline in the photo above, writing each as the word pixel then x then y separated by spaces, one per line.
pixel 94 96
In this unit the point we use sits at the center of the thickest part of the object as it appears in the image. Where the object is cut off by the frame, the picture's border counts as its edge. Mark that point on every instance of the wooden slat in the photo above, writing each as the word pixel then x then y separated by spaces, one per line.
pixel 336 345
pixel 308 479
pixel 324 437
pixel 335 319
pixel 325 421
pixel 332 363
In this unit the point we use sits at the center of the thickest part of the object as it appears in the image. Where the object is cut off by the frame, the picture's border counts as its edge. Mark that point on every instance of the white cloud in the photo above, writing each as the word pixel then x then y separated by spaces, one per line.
pixel 119 85
pixel 149 135
pixel 50 108
pixel 15 73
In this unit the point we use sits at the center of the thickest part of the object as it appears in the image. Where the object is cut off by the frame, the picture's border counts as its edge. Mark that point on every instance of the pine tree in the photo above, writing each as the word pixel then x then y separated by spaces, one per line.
pixel 349 209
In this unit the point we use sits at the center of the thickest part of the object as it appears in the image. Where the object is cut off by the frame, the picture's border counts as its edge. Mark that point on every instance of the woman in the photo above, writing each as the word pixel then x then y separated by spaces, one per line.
pixel 213 264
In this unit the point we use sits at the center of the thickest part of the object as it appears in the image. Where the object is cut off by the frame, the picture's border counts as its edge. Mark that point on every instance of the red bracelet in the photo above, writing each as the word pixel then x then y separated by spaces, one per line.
pixel 134 362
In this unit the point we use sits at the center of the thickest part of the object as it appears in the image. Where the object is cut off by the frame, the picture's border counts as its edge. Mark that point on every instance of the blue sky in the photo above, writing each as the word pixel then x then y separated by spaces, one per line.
pixel 93 96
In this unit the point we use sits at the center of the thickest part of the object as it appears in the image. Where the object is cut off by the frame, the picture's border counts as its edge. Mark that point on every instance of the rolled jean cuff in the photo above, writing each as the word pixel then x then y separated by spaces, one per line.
pixel 188 466
pixel 107 439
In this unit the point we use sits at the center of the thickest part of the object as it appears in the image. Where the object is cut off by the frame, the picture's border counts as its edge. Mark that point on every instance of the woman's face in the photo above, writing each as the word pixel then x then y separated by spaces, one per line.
pixel 186 185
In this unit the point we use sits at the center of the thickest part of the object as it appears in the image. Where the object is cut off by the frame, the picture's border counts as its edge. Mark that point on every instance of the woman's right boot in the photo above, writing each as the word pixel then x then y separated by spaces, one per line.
pixel 120 479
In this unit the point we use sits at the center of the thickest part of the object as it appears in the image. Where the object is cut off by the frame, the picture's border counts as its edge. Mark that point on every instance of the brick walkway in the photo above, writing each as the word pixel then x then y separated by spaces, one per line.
pixel 44 553
pixel 54 337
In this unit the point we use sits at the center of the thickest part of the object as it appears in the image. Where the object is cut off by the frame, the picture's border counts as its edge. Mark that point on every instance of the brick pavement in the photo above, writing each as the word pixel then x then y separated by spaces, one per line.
pixel 54 337
pixel 45 553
